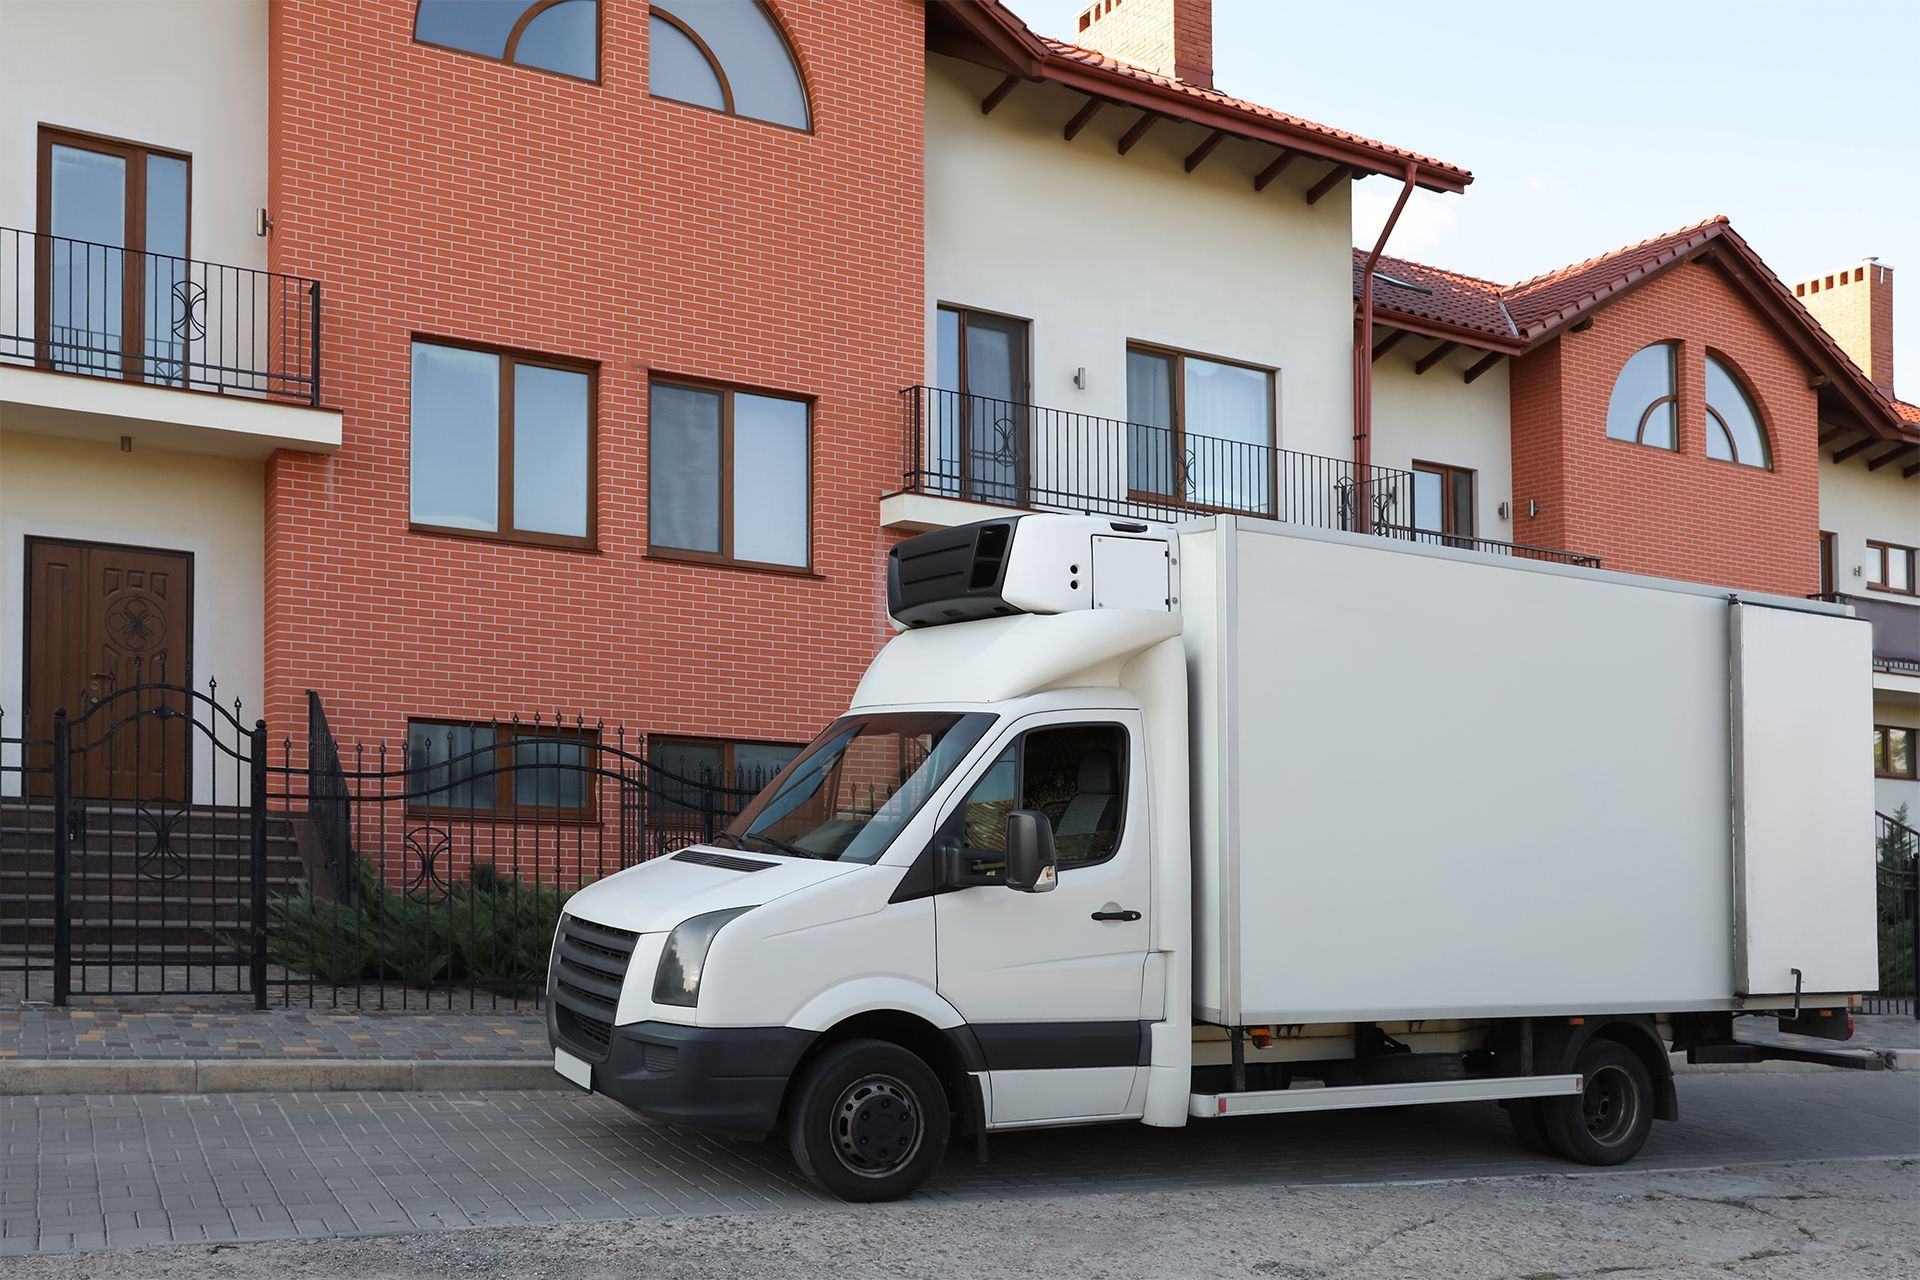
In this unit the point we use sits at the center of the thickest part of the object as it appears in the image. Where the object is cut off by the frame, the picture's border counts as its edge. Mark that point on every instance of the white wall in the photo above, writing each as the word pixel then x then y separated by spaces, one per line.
pixel 1890 793
pixel 1439 417
pixel 1857 504
pixel 214 508
pixel 184 75
pixel 1095 248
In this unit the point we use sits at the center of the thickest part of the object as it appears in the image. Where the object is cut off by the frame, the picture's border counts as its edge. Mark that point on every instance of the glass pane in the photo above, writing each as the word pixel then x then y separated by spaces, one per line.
pixel 944 411
pixel 1877 565
pixel 765 83
pixel 1900 570
pixel 477 26
pixel 550 409
pixel 1719 443
pixel 677 69
pixel 1727 399
pixel 1429 502
pixel 770 498
pixel 456 437
pixel 684 468
pixel 451 766
pixel 1900 751
pixel 983 815
pixel 1644 378
pixel 564 38
pixel 1150 423
pixel 552 773
pixel 996 421
pixel 947 350
pixel 1879 750
pixel 174 305
pixel 1072 774
pixel 1228 431
pixel 85 292
pixel 1460 500
pixel 755 763
pixel 688 771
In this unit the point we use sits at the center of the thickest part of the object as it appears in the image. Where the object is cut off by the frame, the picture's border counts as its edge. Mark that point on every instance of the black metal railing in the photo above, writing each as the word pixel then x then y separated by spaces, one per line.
pixel 329 806
pixel 1896 915
pixel 80 307
pixel 1005 453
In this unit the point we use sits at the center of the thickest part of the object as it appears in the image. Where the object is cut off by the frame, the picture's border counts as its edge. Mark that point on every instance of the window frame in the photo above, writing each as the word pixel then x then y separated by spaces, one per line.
pixel 953 826
pixel 720 72
pixel 1178 384
pixel 1451 475
pixel 1883 745
pixel 1674 351
pixel 505 59
pixel 1712 416
pixel 728 768
pixel 505 808
pixel 1829 565
pixel 510 358
pixel 1887 551
pixel 723 558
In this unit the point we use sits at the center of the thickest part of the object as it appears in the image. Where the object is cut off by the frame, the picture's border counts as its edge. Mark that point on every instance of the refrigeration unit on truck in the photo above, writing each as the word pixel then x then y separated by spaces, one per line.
pixel 1172 824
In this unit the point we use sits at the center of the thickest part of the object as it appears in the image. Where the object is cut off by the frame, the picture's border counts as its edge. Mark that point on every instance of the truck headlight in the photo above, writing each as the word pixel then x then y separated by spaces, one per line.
pixel 684 958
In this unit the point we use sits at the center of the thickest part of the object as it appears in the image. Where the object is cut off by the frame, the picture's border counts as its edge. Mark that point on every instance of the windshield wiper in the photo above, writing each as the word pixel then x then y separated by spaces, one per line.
pixel 784 846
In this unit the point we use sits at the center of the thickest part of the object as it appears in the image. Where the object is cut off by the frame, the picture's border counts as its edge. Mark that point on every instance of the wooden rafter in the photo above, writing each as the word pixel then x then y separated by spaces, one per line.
pixel 1434 356
pixel 1834 433
pixel 1389 342
pixel 998 96
pixel 1266 176
pixel 1205 149
pixel 1139 130
pixel 1908 473
pixel 1335 176
pixel 1081 117
pixel 1858 446
pixel 1483 364
pixel 1892 455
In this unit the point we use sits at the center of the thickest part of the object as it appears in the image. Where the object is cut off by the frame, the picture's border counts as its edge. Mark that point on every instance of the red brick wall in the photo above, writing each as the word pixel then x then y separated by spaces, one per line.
pixel 1647 510
pixel 1856 307
pixel 443 194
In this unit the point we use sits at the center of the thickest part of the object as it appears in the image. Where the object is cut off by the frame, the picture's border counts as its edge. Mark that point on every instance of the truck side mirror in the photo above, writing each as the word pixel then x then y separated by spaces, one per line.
pixel 1030 862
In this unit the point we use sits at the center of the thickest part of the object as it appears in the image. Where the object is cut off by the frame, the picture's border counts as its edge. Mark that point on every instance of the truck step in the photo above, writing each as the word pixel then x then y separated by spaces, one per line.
pixel 1267 1102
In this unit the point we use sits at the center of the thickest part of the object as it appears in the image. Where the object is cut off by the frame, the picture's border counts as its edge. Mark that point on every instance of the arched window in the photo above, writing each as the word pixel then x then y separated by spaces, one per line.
pixel 1644 408
pixel 553 35
pixel 1734 433
pixel 727 55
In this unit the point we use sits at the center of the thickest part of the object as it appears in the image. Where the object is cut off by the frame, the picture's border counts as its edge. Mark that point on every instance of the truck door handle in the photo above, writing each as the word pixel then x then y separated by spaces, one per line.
pixel 1116 915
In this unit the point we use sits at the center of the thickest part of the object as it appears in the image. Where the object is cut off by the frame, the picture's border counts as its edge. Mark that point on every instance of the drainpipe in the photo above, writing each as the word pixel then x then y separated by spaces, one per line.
pixel 1363 368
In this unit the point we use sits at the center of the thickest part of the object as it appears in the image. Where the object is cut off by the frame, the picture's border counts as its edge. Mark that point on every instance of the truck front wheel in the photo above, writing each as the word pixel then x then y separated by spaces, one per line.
pixel 1608 1122
pixel 868 1121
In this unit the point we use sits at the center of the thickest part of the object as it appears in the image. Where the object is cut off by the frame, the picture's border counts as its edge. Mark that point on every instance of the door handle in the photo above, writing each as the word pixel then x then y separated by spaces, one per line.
pixel 1116 915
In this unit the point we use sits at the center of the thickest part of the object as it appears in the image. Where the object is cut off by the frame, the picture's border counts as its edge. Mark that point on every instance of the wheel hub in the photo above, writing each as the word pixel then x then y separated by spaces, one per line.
pixel 1609 1105
pixel 877 1126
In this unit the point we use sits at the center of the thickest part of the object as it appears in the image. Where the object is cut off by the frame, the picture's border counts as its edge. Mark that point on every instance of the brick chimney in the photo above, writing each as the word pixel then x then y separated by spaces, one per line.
pixel 1172 37
pixel 1855 306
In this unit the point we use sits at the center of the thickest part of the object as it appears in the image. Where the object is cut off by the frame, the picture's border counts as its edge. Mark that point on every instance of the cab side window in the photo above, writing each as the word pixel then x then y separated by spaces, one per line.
pixel 1072 773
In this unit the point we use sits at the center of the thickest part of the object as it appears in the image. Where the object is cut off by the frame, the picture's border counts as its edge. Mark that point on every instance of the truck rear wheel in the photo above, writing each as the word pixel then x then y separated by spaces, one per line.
pixel 868 1121
pixel 1609 1121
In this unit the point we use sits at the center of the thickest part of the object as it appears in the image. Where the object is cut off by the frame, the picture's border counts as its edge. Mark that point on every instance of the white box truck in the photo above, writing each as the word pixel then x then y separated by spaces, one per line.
pixel 1138 823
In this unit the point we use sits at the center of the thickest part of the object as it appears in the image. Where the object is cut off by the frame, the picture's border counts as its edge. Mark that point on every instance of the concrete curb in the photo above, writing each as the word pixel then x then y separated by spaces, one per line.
pixel 270 1075
pixel 1890 1060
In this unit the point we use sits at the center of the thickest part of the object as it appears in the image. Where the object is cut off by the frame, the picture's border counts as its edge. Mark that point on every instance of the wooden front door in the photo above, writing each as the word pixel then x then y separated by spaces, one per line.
pixel 100 620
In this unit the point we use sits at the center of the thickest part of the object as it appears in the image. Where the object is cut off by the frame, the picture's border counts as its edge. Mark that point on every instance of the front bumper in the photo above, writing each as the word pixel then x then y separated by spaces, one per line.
pixel 731 1079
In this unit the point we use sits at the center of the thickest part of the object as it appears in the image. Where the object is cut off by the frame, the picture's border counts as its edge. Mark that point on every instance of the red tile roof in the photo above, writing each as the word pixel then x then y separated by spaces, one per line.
pixel 1911 412
pixel 1430 293
pixel 1542 302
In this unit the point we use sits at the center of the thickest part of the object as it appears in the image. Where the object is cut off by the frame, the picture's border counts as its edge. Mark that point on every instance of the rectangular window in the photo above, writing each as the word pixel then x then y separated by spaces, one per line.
pixel 1893 751
pixel 729 476
pixel 502 445
pixel 981 426
pixel 1890 568
pixel 1075 774
pixel 1200 431
pixel 1442 503
pixel 698 772
pixel 523 772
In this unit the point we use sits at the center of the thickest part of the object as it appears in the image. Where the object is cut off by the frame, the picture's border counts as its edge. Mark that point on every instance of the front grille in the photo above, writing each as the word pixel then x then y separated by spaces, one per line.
pixel 589 965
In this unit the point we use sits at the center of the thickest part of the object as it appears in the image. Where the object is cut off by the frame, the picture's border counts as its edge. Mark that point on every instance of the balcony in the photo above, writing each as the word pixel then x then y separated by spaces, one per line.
pixel 1896 635
pixel 103 343
pixel 963 451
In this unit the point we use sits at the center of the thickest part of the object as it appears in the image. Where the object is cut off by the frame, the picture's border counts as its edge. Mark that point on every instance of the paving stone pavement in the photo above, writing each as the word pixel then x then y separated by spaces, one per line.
pixel 97 1172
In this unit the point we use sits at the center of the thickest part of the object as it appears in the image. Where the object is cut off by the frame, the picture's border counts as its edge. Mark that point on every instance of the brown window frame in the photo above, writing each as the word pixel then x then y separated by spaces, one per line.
pixel 1451 475
pixel 505 59
pixel 1883 751
pixel 727 766
pixel 1178 385
pixel 1887 551
pixel 720 72
pixel 505 808
pixel 724 557
pixel 510 358
pixel 1829 565
pixel 132 283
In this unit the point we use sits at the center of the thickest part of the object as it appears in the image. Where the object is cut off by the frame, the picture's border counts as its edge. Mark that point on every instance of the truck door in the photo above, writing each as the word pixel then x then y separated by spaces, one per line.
pixel 1050 983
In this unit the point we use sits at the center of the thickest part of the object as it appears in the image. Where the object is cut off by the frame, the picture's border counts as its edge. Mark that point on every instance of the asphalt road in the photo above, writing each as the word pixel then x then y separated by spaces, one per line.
pixel 574 1186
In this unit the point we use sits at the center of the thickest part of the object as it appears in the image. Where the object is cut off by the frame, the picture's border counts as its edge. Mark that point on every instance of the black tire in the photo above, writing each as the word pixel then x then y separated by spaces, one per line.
pixel 1609 1121
pixel 1525 1115
pixel 868 1121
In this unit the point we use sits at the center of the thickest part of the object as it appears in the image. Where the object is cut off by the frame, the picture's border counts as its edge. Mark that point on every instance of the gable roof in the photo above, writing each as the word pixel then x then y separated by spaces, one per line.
pixel 987 32
pixel 1456 307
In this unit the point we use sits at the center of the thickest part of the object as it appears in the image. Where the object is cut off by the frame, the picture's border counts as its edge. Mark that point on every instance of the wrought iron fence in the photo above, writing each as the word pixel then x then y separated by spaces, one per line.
pixel 80 307
pixel 1896 915
pixel 1489 546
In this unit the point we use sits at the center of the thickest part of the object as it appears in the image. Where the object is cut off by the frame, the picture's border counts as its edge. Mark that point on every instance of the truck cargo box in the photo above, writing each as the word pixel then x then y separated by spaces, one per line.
pixel 1431 783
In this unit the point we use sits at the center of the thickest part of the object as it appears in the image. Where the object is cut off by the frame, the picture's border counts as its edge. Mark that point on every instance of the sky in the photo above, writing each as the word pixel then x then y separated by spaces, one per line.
pixel 1592 126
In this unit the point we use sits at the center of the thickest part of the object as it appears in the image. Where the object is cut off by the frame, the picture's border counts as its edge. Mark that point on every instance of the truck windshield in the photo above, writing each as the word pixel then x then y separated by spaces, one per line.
pixel 848 795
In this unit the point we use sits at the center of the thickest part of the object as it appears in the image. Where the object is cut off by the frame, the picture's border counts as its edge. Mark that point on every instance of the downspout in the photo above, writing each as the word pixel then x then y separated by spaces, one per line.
pixel 1363 368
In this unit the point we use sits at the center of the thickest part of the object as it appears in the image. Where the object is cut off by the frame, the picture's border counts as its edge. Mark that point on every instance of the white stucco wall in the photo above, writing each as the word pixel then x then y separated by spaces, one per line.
pixel 184 75
pixel 1096 249
pixel 1890 793
pixel 213 508
pixel 1441 418
pixel 1857 504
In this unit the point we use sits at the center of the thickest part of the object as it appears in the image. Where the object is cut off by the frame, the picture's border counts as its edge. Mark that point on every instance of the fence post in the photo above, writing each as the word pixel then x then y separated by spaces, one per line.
pixel 257 859
pixel 314 291
pixel 62 902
